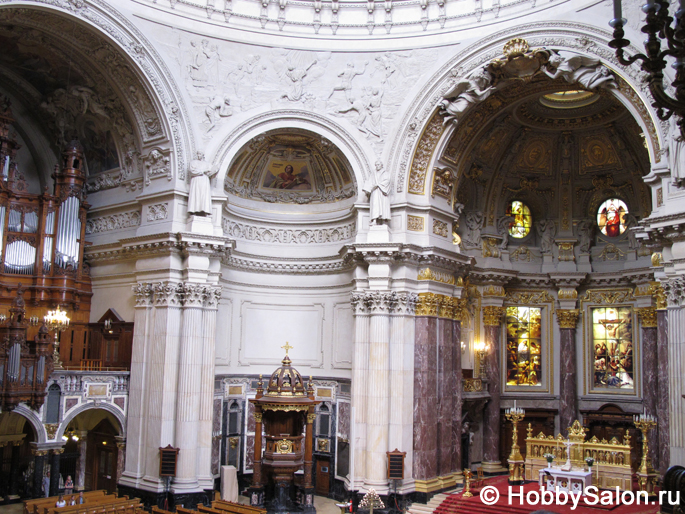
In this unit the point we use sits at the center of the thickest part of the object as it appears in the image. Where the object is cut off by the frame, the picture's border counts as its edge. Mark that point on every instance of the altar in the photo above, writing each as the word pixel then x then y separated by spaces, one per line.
pixel 574 481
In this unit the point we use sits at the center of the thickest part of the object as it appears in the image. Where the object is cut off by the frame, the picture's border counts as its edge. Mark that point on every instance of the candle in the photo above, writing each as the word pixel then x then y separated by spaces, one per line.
pixel 617 10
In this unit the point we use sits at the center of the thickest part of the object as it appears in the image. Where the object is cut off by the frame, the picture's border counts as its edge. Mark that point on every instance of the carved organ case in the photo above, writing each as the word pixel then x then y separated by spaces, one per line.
pixel 42 236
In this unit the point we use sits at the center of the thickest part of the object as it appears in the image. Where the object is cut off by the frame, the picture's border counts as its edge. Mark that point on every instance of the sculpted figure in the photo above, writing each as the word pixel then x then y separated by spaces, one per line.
pixel 200 195
pixel 466 93
pixel 378 188
pixel 587 71
pixel 346 76
pixel 585 232
pixel 296 76
pixel 503 225
pixel 631 222
pixel 676 151
pixel 474 223
pixel 219 107
pixel 546 230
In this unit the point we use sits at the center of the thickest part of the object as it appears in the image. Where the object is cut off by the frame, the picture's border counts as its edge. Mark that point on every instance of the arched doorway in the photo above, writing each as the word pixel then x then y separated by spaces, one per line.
pixel 16 459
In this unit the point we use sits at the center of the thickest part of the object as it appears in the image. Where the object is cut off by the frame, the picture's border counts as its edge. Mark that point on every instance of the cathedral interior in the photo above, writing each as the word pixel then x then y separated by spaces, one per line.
pixel 338 246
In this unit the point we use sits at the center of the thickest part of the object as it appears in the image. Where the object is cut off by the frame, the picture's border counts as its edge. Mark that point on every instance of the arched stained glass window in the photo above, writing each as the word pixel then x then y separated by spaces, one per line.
pixel 522 219
pixel 611 217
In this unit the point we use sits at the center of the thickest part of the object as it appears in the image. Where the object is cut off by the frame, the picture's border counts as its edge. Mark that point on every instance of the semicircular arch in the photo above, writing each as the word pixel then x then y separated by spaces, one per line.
pixel 34 420
pixel 117 413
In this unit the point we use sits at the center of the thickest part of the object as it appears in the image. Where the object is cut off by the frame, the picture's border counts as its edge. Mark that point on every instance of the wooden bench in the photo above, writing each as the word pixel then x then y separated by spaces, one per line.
pixel 183 510
pixel 119 505
pixel 236 508
pixel 208 510
pixel 157 510
pixel 29 505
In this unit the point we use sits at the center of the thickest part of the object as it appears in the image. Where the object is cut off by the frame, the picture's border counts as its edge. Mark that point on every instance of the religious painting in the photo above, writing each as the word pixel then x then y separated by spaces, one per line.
pixel 287 175
pixel 611 217
pixel 612 343
pixel 524 340
pixel 523 220
pixel 99 149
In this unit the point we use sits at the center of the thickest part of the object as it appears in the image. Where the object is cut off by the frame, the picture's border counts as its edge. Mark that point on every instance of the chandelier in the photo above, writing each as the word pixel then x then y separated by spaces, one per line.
pixel 659 26
pixel 57 321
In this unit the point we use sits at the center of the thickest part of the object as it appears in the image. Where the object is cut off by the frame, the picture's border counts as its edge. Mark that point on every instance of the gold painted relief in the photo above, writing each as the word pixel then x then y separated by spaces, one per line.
pixel 597 154
pixel 536 156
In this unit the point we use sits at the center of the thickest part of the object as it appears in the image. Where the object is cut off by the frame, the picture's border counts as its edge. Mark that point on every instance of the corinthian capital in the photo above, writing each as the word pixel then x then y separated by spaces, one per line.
pixel 405 303
pixel 168 294
pixel 492 316
pixel 567 318
pixel 427 304
pixel 647 316
pixel 142 291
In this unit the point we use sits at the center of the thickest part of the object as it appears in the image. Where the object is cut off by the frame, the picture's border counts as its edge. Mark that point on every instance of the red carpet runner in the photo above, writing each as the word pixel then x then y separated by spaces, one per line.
pixel 456 503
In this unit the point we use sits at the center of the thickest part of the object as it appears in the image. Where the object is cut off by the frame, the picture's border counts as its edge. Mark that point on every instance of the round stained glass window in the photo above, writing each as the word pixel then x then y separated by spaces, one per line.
pixel 522 219
pixel 611 217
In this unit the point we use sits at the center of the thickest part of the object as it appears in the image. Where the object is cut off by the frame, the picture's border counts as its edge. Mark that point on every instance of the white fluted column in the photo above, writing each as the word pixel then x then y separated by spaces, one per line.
pixel 378 400
pixel 204 436
pixel 189 385
pixel 675 290
pixel 359 388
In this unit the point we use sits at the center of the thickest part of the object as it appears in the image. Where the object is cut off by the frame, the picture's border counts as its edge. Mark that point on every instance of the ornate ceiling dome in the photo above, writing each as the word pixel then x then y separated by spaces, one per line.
pixel 291 167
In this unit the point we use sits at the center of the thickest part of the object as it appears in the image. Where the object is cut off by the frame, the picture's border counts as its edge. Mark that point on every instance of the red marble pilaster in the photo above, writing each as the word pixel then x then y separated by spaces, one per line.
pixel 445 397
pixel 456 396
pixel 648 328
pixel 425 399
pixel 492 317
pixel 662 430
pixel 568 372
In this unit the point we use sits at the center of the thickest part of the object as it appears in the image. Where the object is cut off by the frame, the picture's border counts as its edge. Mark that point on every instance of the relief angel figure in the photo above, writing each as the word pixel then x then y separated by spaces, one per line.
pixel 589 72
pixel 466 93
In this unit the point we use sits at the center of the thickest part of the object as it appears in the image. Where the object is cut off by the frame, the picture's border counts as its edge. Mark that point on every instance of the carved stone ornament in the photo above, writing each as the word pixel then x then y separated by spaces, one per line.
pixel 567 294
pixel 647 316
pixel 51 430
pixel 443 182
pixel 492 316
pixel 157 165
pixel 113 222
pixel 567 318
pixel 659 295
pixel 440 228
pixel 415 223
pixel 491 247
pixel 566 251
pixel 288 236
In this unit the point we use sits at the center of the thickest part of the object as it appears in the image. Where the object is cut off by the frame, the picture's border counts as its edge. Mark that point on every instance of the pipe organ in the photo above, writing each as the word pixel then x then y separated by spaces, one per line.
pixel 42 236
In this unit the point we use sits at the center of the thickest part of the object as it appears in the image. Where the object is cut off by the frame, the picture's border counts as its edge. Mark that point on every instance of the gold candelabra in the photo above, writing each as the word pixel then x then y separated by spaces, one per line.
pixel 645 472
pixel 467 484
pixel 57 321
pixel 515 458
pixel 481 349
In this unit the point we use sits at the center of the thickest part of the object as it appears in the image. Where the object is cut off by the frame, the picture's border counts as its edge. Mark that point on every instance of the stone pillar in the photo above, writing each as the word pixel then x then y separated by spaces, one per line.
pixel 457 313
pixel 492 321
pixel 425 397
pixel 360 309
pixel 378 399
pixel 402 376
pixel 445 386
pixel 121 457
pixel 54 470
pixel 80 478
pixel 662 387
pixel 39 458
pixel 650 380
pixel 189 380
pixel 204 436
pixel 675 291
pixel 568 396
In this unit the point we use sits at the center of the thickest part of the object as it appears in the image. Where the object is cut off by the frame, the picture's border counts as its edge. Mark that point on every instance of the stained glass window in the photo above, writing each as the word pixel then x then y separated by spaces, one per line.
pixel 522 219
pixel 611 217
pixel 612 342
pixel 523 346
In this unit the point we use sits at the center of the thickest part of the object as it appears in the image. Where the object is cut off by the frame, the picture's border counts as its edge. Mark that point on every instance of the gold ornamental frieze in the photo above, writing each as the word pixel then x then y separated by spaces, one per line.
pixel 437 276
pixel 528 297
pixel 657 291
pixel 567 294
pixel 424 152
pixel 284 408
pixel 567 318
pixel 608 297
pixel 647 316
pixel 445 307
pixel 440 305
pixel 492 290
pixel 492 316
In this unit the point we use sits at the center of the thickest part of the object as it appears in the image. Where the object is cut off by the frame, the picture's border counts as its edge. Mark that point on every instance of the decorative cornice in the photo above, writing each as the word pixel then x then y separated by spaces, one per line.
pixel 567 318
pixel 492 316
pixel 176 294
pixel 439 276
pixel 290 267
pixel 388 302
pixel 159 244
pixel 112 222
pixel 274 235
pixel 647 316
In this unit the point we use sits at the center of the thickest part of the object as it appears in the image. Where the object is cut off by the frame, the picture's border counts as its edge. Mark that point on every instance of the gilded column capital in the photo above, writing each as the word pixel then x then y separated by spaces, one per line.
pixel 258 417
pixel 427 304
pixel 647 316
pixel 492 316
pixel 567 318
pixel 659 295
pixel 458 308
pixel 445 307
pixel 57 451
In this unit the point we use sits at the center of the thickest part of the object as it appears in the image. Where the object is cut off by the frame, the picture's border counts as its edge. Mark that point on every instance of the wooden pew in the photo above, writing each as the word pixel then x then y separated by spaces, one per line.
pixel 29 505
pixel 157 510
pixel 208 510
pixel 123 505
pixel 182 510
pixel 236 508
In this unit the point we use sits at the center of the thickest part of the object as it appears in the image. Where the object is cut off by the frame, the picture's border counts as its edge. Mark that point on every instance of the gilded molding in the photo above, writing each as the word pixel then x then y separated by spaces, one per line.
pixel 424 152
pixel 492 316
pixel 445 309
pixel 415 223
pixel 51 429
pixel 567 318
pixel 647 316
pixel 311 418
pixel 492 290
pixel 528 297
pixel 567 294
pixel 608 297
pixel 459 310
pixel 427 304
pixel 437 276
pixel 657 291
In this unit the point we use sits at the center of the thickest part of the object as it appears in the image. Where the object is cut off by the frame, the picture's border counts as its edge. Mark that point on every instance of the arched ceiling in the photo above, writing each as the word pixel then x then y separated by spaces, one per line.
pixel 552 146
pixel 66 81
pixel 291 166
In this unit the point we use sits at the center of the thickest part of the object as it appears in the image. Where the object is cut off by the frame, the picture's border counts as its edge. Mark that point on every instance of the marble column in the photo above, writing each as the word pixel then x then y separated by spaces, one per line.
pixel 121 457
pixel 675 290
pixel 492 321
pixel 54 470
pixel 402 376
pixel 458 306
pixel 650 380
pixel 425 397
pixel 445 386
pixel 80 479
pixel 360 309
pixel 39 458
pixel 377 407
pixel 212 295
pixel 568 395
pixel 663 392
pixel 189 384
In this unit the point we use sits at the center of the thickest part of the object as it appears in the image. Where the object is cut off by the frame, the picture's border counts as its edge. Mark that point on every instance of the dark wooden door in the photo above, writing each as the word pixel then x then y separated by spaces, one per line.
pixel 106 462
pixel 323 476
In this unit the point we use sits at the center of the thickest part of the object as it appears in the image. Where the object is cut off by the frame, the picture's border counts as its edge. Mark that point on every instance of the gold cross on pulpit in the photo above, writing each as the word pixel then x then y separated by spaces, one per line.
pixel 287 347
